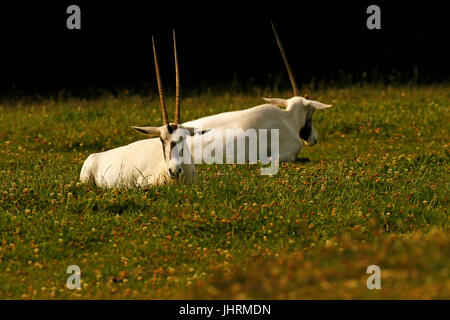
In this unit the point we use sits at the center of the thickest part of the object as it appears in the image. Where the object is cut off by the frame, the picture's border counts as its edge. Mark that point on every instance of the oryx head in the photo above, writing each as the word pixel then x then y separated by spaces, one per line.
pixel 172 135
pixel 304 105
pixel 303 108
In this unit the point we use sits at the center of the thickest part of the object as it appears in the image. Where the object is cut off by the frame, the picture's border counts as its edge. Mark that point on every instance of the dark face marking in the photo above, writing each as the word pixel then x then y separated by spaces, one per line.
pixel 171 128
pixel 305 132
pixel 164 148
pixel 173 144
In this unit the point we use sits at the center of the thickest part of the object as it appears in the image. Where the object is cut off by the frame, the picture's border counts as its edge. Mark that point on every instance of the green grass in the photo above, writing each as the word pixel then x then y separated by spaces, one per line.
pixel 375 192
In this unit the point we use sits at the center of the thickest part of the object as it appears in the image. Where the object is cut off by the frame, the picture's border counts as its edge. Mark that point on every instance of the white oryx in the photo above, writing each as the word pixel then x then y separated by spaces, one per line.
pixel 294 122
pixel 148 161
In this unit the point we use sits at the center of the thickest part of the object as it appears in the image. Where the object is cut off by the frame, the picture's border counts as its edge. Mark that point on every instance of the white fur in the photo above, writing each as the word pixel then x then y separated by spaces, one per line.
pixel 267 116
pixel 140 163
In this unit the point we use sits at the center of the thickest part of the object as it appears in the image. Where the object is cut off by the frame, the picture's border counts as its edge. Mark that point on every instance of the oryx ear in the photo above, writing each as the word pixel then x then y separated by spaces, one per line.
pixel 194 131
pixel 277 101
pixel 150 131
pixel 318 105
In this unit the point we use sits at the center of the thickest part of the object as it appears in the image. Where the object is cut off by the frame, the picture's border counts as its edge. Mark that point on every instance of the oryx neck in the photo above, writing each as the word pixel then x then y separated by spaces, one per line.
pixel 294 116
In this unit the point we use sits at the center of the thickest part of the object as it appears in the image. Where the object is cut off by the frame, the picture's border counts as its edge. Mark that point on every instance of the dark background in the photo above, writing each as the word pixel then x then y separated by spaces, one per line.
pixel 219 43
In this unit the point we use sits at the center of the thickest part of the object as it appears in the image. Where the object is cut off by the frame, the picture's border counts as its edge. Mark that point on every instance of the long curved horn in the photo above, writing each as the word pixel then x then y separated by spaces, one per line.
pixel 286 62
pixel 177 82
pixel 160 89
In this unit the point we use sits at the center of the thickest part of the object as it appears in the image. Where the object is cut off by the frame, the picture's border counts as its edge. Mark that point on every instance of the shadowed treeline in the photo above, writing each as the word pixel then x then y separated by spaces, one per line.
pixel 220 43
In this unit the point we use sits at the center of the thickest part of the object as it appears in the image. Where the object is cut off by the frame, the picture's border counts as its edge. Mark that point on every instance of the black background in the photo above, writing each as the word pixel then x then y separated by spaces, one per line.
pixel 219 43
pixel 293 309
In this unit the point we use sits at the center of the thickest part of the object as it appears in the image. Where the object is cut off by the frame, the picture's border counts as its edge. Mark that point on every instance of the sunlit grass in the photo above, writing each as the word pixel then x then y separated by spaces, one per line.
pixel 374 192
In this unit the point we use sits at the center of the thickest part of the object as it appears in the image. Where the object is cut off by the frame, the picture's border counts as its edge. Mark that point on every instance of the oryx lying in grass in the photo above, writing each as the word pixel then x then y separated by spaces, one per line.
pixel 294 123
pixel 149 161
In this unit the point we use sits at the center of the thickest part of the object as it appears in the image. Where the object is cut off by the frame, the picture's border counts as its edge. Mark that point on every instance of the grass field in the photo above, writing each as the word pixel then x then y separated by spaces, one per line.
pixel 375 192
